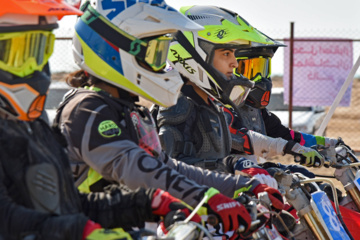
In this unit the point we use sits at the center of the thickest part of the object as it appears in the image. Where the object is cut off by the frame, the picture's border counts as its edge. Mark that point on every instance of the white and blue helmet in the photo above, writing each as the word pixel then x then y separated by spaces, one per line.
pixel 125 43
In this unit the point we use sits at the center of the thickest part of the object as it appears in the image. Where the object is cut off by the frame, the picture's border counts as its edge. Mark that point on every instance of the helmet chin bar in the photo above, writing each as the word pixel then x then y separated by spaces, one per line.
pixel 259 96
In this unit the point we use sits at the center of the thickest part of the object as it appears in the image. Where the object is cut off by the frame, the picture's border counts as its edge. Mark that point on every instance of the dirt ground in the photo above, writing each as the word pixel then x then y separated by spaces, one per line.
pixel 344 123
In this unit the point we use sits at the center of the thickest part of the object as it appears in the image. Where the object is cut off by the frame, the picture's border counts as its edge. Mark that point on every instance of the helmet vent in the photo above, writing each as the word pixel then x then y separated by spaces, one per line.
pixel 138 79
pixel 42 20
pixel 196 17
pixel 201 73
pixel 152 19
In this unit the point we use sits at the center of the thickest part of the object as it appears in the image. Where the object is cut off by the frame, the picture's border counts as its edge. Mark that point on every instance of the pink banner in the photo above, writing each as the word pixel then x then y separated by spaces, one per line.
pixel 320 69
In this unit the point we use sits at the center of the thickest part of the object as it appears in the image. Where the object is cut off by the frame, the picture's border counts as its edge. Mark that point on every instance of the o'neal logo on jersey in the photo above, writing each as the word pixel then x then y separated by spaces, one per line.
pixel 109 129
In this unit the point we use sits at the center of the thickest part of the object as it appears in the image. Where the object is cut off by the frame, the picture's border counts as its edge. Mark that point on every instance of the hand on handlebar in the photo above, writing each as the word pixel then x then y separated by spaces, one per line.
pixel 247 166
pixel 163 204
pixel 230 213
pixel 274 195
pixel 304 155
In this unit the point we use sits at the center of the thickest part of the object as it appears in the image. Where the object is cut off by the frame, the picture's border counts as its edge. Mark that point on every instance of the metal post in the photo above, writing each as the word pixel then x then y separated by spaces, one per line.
pixel 291 65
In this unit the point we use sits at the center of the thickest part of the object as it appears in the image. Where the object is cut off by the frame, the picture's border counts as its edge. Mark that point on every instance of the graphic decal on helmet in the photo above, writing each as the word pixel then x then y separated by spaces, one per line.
pixel 182 61
pixel 221 34
pixel 116 6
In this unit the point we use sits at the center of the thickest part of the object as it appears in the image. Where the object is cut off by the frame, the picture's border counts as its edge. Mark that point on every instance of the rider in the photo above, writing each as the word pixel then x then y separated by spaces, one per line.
pixel 194 130
pixel 37 194
pixel 122 55
pixel 255 64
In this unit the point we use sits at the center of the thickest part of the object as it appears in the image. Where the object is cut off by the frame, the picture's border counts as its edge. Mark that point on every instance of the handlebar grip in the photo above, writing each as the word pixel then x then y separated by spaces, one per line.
pixel 212 220
pixel 298 158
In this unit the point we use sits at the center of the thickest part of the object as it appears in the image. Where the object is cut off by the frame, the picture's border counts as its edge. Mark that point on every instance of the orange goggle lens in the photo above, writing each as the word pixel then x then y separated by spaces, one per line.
pixel 251 67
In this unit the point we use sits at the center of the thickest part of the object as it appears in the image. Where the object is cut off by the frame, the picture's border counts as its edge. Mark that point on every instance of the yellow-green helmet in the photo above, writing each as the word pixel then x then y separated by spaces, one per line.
pixel 191 53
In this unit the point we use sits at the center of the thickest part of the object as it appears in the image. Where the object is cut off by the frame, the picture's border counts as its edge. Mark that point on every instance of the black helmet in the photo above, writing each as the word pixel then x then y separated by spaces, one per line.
pixel 255 64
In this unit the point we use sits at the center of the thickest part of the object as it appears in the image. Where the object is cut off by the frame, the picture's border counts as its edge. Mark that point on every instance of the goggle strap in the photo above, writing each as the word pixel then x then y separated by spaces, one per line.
pixel 23 28
pixel 119 38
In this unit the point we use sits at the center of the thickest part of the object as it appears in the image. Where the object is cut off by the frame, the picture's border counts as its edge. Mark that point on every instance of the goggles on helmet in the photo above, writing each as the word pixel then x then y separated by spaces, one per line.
pixel 22 53
pixel 254 68
pixel 157 51
pixel 153 51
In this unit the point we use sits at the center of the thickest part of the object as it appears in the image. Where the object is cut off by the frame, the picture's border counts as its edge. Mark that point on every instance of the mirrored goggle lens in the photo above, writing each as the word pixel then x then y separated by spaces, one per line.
pixel 238 94
pixel 157 51
pixel 251 67
pixel 22 50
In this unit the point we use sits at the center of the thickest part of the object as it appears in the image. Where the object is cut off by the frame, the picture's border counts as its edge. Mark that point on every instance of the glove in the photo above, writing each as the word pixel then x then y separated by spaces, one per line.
pixel 305 156
pixel 163 204
pixel 229 212
pixel 247 166
pixel 292 168
pixel 326 142
pixel 109 234
pixel 93 231
pixel 274 195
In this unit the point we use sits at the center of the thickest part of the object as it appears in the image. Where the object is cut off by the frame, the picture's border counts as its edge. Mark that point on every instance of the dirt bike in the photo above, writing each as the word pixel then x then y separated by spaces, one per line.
pixel 347 171
pixel 262 225
pixel 317 218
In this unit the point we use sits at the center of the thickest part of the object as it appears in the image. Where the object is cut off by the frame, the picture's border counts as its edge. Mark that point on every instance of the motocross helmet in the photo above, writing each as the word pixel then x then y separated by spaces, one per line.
pixel 254 63
pixel 26 44
pixel 192 52
pixel 127 47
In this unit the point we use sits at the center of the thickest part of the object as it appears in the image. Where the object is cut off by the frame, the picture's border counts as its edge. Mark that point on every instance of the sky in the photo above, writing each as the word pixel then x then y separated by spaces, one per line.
pixel 270 14
pixel 313 17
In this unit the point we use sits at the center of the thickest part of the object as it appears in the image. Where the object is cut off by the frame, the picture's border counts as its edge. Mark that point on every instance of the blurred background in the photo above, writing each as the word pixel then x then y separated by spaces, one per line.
pixel 327 24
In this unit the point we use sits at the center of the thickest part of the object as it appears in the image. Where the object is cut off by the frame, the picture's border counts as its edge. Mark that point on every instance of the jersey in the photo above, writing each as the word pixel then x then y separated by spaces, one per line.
pixel 265 122
pixel 194 132
pixel 101 137
pixel 35 183
pixel 37 192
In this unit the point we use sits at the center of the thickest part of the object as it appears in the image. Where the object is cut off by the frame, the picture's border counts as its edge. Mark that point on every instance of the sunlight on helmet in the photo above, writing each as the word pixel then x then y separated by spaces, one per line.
pixel 192 52
pixel 128 48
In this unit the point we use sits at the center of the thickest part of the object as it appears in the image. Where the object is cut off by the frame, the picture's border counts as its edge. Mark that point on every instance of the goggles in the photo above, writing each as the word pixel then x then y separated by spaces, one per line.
pixel 22 53
pixel 157 51
pixel 152 51
pixel 254 68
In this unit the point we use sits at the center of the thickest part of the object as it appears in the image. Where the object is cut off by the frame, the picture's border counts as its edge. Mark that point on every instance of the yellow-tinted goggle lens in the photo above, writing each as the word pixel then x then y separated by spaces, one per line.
pixel 22 53
pixel 250 67
pixel 157 51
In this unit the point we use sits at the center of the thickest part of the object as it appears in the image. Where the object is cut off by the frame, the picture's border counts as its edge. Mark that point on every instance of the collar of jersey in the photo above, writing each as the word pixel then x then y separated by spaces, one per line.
pixel 96 89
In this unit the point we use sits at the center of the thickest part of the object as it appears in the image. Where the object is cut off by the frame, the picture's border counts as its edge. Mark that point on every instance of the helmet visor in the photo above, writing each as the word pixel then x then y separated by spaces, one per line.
pixel 253 67
pixel 22 53
pixel 157 51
